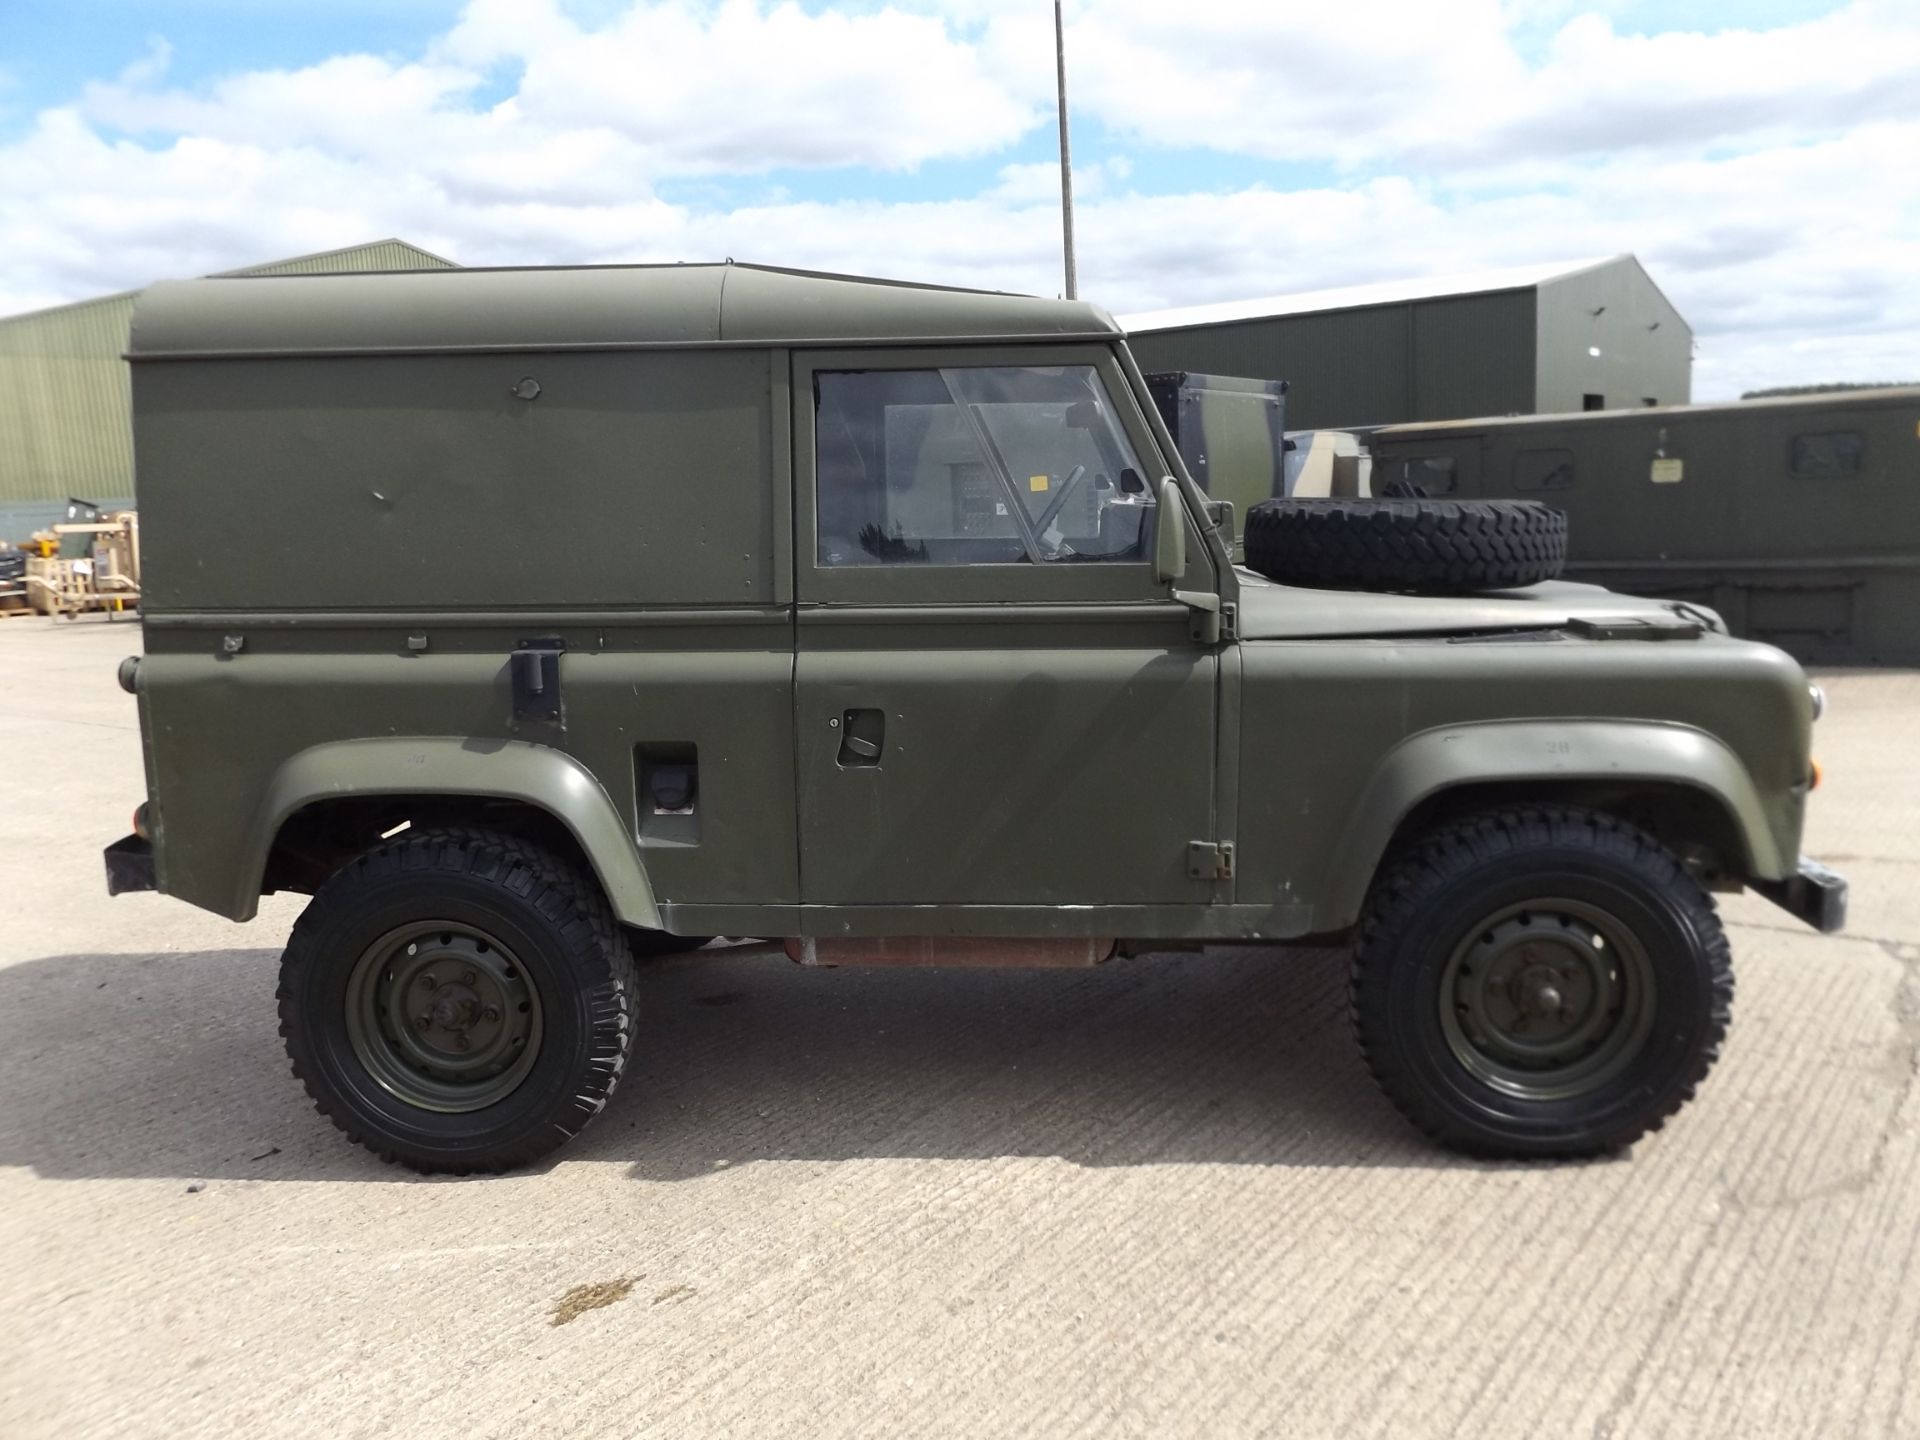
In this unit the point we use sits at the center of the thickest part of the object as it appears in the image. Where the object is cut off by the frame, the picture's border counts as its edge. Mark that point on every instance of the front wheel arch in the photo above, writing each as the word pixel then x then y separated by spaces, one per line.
pixel 1680 784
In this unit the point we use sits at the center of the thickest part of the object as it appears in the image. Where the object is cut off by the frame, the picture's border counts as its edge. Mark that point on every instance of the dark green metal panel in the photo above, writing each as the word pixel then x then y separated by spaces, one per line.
pixel 1473 355
pixel 635 478
pixel 588 307
pixel 1432 358
pixel 1521 348
pixel 1798 518
pixel 1229 431
pixel 1332 362
pixel 64 400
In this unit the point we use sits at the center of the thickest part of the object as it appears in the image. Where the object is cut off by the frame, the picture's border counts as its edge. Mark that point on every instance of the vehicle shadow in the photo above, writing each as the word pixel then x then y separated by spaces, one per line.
pixel 170 1065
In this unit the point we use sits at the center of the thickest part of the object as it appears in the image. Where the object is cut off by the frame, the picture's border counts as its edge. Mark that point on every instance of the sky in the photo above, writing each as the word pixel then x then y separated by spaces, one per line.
pixel 1761 157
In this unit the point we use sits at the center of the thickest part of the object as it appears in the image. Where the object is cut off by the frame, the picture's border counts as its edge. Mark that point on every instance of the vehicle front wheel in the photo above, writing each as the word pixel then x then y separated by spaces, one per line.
pixel 1540 982
pixel 457 1000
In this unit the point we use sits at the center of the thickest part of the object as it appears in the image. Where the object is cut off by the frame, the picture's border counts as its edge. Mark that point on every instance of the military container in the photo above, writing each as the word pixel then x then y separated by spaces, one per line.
pixel 1797 518
pixel 1230 432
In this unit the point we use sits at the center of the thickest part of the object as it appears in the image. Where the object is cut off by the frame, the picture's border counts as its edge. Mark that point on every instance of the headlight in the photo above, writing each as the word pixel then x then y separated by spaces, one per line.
pixel 1819 698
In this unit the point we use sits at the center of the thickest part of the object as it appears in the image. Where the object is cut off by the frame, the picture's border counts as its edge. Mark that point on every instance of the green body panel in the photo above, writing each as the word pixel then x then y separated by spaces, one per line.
pixel 1065 766
pixel 635 478
pixel 221 729
pixel 1497 751
pixel 1343 738
pixel 65 401
pixel 452 765
pixel 357 525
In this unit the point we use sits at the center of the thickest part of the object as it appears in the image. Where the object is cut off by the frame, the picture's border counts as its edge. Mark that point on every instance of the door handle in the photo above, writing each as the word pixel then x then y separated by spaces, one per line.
pixel 863 735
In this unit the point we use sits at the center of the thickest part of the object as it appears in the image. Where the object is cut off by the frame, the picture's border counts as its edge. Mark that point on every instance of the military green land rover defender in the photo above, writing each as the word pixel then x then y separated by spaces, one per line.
pixel 533 621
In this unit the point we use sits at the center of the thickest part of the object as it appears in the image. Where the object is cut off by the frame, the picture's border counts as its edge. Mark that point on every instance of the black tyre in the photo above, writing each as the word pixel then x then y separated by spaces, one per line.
pixel 457 1000
pixel 1430 547
pixel 1546 982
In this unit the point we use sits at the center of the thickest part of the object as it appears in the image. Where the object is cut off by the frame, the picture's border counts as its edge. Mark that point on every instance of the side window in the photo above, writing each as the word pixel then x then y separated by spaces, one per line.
pixel 1838 452
pixel 975 465
pixel 1424 475
pixel 1543 470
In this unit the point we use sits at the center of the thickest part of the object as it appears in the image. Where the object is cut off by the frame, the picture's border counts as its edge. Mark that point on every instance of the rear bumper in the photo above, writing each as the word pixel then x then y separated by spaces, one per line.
pixel 129 865
pixel 1815 894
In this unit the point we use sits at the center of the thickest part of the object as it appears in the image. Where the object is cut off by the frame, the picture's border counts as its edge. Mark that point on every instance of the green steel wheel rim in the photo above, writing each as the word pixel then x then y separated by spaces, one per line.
pixel 1548 1000
pixel 443 1016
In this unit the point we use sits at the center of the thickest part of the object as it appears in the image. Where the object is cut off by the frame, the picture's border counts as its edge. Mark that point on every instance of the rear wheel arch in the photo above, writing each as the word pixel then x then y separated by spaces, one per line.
pixel 330 803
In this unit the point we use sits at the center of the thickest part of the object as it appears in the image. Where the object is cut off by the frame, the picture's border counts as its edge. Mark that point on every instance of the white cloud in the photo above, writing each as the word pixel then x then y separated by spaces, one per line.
pixel 1766 178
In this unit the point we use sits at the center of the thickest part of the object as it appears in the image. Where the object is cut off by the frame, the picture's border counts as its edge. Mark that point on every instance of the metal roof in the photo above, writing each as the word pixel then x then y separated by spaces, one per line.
pixel 1356 297
pixel 1888 395
pixel 603 307
pixel 391 253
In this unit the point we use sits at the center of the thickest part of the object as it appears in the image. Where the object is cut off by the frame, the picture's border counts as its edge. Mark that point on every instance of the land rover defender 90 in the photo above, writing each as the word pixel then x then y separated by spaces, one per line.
pixel 535 622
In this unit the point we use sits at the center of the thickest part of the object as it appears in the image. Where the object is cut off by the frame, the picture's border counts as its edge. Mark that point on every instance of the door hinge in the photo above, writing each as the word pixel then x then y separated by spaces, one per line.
pixel 1208 861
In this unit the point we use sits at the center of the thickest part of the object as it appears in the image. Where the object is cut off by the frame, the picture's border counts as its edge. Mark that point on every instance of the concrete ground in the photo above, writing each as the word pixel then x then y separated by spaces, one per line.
pixel 1157 1198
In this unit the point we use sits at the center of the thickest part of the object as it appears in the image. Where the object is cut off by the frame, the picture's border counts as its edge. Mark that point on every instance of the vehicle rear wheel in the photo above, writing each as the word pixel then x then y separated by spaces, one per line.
pixel 457 1000
pixel 1540 982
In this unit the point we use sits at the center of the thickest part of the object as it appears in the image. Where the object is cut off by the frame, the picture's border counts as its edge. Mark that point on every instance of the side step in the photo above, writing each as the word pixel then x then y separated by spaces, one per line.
pixel 929 950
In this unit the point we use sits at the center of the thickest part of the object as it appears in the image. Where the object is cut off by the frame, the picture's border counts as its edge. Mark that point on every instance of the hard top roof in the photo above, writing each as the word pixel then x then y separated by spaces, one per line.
pixel 584 307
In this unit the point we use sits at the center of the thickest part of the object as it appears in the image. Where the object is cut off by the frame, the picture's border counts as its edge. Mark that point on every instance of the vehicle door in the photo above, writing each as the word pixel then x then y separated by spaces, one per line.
pixel 996 703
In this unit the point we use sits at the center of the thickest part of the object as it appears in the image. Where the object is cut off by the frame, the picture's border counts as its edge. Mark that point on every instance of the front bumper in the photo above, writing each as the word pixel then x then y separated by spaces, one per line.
pixel 130 865
pixel 1815 894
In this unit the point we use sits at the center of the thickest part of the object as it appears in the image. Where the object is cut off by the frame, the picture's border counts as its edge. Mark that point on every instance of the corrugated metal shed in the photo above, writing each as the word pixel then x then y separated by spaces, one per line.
pixel 380 255
pixel 1532 339
pixel 64 400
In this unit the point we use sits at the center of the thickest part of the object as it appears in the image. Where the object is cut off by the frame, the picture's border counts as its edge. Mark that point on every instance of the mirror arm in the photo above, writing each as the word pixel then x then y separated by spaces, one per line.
pixel 1209 619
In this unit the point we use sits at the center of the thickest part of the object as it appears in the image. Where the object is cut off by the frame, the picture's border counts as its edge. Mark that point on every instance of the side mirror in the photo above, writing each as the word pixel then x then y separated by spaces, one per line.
pixel 1169 535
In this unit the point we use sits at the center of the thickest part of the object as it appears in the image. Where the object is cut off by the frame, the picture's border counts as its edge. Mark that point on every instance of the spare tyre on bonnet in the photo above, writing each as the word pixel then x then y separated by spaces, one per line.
pixel 1425 547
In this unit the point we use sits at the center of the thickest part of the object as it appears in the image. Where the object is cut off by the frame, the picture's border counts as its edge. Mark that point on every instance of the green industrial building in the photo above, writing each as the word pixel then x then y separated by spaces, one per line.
pixel 1541 340
pixel 65 410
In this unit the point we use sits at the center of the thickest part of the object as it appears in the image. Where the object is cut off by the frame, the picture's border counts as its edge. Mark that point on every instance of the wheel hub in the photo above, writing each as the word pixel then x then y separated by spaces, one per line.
pixel 443 1016
pixel 1540 1001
